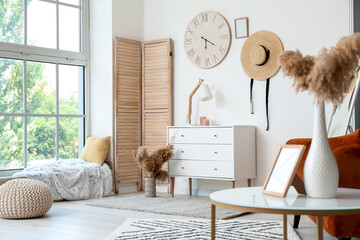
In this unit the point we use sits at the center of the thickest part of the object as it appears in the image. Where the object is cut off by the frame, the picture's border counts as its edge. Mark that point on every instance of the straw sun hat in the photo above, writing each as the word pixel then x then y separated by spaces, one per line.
pixel 260 54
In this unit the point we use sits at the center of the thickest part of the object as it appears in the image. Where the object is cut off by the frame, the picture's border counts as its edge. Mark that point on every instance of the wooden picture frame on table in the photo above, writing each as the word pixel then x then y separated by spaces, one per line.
pixel 241 27
pixel 283 170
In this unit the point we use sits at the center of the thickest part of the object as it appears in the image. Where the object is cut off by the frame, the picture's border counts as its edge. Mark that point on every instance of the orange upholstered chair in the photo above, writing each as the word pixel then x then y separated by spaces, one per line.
pixel 346 150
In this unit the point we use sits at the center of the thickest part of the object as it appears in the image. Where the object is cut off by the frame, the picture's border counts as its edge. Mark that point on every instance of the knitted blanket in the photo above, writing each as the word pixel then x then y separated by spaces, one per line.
pixel 72 179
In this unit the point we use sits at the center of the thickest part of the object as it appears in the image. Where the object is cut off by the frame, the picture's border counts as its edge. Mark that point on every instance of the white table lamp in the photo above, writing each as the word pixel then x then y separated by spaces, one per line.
pixel 205 95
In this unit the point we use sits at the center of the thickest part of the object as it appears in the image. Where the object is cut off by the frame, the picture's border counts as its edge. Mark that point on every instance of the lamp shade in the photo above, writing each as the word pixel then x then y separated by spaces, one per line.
pixel 205 94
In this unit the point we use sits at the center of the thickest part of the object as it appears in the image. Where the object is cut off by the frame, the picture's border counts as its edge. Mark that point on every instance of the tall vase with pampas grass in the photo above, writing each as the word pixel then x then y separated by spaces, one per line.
pixel 325 76
pixel 151 166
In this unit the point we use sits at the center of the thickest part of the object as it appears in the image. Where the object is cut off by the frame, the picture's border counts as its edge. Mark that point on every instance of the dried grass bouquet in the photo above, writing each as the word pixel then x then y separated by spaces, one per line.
pixel 327 74
pixel 152 163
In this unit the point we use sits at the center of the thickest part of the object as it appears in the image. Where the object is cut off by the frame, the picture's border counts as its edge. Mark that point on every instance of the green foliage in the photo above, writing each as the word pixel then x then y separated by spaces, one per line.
pixel 41 97
pixel 12 21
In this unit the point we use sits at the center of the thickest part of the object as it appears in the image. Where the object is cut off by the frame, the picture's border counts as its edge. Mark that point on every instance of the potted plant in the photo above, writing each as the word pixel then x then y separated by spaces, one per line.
pixel 151 165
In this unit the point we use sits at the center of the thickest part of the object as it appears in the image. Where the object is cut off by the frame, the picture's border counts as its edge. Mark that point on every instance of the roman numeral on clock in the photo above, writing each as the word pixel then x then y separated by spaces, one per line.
pixel 196 22
pixel 224 36
pixel 190 53
pixel 222 50
pixel 214 18
pixel 188 41
pixel 215 58
pixel 221 25
pixel 204 17
pixel 207 62
pixel 189 31
pixel 197 60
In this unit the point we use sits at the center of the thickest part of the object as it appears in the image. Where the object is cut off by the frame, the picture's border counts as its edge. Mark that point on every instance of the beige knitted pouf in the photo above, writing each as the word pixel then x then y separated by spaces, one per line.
pixel 24 198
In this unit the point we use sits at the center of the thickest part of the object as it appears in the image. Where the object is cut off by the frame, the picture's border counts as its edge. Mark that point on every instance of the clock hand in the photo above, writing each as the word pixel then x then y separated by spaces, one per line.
pixel 210 42
pixel 205 40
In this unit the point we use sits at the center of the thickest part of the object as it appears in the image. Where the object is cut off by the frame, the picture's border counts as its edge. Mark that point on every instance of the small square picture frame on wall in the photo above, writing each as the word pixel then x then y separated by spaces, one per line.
pixel 241 27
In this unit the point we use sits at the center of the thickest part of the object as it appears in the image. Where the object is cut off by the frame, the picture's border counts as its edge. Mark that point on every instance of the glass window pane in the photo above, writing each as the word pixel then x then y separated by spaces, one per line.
pixel 69 28
pixel 41 24
pixel 40 140
pixel 11 86
pixel 11 143
pixel 40 87
pixel 73 2
pixel 71 137
pixel 12 21
pixel 71 89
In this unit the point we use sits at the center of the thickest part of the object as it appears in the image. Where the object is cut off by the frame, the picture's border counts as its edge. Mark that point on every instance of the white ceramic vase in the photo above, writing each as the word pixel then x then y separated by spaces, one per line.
pixel 321 173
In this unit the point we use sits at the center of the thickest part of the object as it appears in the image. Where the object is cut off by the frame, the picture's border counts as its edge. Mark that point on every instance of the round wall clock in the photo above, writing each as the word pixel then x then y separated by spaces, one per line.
pixel 207 39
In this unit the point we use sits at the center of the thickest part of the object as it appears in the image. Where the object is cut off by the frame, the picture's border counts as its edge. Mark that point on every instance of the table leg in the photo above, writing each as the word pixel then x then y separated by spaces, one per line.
pixel 232 184
pixel 249 182
pixel 285 227
pixel 190 186
pixel 319 224
pixel 213 221
pixel 172 179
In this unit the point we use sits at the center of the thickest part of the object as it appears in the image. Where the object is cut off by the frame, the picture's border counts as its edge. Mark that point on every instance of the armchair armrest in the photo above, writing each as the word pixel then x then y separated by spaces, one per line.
pixel 348 160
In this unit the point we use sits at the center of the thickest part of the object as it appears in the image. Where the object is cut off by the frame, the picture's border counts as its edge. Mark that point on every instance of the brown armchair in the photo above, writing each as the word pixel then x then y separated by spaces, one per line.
pixel 346 150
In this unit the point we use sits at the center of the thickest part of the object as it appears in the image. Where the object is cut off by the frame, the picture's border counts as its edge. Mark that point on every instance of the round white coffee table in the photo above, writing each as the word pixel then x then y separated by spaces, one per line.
pixel 347 202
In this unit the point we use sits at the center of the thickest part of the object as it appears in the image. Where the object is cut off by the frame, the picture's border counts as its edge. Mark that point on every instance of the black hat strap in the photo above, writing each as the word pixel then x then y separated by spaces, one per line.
pixel 266 99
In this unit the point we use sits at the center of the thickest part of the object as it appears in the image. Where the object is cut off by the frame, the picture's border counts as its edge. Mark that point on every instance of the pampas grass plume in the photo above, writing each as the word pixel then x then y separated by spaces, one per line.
pixel 325 75
pixel 152 163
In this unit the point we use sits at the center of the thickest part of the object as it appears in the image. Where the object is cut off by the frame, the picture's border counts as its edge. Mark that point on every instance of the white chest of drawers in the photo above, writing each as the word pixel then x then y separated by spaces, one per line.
pixel 212 152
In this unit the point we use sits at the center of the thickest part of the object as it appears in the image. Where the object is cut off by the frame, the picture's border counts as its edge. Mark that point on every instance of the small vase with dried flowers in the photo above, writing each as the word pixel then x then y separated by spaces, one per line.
pixel 151 165
pixel 325 77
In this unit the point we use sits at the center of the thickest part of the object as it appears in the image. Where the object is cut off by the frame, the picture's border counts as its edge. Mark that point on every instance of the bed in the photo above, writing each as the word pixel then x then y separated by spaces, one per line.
pixel 72 179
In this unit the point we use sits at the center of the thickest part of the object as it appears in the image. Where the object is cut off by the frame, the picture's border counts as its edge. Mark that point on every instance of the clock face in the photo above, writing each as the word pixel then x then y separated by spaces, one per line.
pixel 207 39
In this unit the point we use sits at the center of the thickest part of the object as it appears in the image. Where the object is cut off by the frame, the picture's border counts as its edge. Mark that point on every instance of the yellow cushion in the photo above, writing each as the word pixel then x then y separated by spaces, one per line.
pixel 96 149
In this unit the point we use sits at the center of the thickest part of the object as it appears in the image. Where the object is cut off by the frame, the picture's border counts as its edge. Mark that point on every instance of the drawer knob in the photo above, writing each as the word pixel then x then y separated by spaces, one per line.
pixel 182 151
pixel 215 152
pixel 182 167
pixel 215 169
pixel 182 135
pixel 215 135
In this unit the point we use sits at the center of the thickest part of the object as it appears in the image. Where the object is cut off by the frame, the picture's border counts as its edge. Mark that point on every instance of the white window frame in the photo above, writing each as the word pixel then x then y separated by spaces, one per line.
pixel 48 55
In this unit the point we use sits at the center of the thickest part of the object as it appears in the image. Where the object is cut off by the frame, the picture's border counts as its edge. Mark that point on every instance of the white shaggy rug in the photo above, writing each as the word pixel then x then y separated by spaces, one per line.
pixel 199 229
pixel 180 205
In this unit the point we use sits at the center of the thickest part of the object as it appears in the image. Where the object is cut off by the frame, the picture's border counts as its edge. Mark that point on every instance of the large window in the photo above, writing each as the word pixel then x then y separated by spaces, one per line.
pixel 43 65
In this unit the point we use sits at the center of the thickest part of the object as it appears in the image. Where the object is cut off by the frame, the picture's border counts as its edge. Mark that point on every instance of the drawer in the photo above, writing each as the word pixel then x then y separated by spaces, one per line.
pixel 200 135
pixel 204 152
pixel 201 169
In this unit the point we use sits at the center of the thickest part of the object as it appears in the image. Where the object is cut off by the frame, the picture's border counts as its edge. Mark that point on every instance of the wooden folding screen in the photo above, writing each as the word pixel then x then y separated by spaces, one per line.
pixel 156 92
pixel 127 95
pixel 142 110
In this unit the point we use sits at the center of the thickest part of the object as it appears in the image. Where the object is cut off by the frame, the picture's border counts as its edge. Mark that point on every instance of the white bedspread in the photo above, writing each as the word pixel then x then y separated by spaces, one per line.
pixel 72 179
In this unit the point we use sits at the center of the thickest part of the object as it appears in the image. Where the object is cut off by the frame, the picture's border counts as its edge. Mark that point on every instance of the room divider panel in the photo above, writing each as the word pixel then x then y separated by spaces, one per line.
pixel 156 92
pixel 127 104
pixel 143 101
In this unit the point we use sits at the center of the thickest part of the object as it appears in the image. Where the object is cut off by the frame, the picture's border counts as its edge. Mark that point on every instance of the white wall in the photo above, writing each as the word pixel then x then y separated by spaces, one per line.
pixel 128 19
pixel 108 18
pixel 304 24
pixel 101 68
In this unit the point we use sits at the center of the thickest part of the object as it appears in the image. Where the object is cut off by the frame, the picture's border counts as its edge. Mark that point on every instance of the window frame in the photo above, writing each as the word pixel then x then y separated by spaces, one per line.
pixel 26 53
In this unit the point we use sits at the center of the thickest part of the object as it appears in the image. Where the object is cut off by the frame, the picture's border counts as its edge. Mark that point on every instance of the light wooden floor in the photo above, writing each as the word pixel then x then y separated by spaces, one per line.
pixel 75 220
